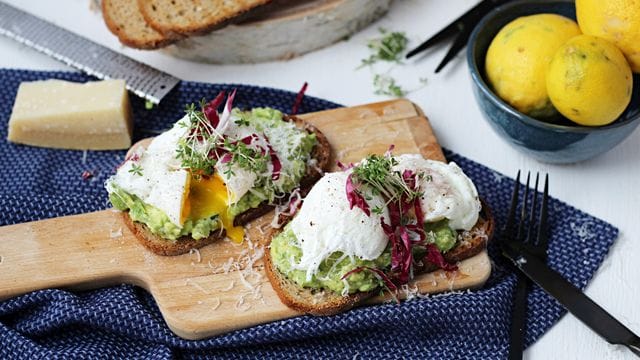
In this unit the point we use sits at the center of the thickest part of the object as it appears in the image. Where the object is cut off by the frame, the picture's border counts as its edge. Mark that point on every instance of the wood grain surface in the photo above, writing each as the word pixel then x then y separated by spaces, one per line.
pixel 222 287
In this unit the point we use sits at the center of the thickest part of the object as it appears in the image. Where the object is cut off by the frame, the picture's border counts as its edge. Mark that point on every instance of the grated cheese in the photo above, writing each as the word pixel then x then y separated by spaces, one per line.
pixel 115 234
pixel 288 209
pixel 197 253
pixel 412 292
pixel 240 305
pixel 345 289
pixel 243 263
pixel 231 285
pixel 582 231
pixel 217 305
pixel 227 266
pixel 313 163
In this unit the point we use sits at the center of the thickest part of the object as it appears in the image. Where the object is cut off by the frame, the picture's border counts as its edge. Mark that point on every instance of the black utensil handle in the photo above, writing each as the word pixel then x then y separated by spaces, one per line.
pixel 579 304
pixel 518 317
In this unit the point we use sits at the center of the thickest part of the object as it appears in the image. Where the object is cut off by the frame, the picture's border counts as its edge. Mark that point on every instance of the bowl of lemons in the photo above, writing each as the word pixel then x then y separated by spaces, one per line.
pixel 557 79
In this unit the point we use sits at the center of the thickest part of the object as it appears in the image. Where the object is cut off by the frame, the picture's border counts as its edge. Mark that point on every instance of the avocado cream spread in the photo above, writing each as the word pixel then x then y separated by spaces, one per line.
pixel 158 222
pixel 286 253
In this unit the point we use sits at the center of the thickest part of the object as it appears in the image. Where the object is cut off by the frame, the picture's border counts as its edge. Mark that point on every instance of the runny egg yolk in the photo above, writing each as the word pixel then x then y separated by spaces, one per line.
pixel 208 197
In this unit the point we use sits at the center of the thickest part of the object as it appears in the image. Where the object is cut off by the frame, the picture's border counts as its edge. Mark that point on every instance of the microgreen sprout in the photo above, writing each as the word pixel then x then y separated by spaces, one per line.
pixel 388 47
pixel 386 85
pixel 377 172
pixel 136 169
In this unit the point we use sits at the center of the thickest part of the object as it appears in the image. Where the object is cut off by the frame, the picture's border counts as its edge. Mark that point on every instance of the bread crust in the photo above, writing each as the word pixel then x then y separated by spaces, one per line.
pixel 151 40
pixel 321 152
pixel 165 247
pixel 196 26
pixel 314 302
pixel 324 302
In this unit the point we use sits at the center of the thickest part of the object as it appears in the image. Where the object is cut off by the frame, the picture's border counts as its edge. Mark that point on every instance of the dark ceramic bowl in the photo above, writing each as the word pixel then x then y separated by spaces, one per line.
pixel 562 141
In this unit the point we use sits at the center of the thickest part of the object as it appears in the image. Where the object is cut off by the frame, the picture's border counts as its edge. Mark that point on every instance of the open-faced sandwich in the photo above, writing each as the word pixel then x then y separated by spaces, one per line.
pixel 373 226
pixel 213 172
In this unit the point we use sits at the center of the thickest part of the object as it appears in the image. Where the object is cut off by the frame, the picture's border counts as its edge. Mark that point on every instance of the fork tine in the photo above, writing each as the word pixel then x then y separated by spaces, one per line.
pixel 512 209
pixel 532 214
pixel 543 237
pixel 523 210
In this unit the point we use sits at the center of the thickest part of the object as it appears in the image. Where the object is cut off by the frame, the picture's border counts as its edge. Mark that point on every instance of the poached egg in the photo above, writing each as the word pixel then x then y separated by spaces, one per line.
pixel 325 224
pixel 447 193
pixel 160 181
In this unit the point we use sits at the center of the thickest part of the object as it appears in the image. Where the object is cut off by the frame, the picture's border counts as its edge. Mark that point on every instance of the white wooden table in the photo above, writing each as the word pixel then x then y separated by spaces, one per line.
pixel 606 186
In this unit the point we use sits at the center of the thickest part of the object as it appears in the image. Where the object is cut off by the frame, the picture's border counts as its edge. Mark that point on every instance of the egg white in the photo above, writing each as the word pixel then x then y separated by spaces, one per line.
pixel 325 224
pixel 447 191
pixel 163 183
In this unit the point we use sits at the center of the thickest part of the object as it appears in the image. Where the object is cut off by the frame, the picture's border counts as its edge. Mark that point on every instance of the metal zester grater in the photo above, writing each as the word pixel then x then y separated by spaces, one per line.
pixel 84 54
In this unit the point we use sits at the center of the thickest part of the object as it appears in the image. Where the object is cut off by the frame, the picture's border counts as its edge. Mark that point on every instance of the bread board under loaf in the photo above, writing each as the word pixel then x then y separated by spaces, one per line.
pixel 223 286
pixel 282 32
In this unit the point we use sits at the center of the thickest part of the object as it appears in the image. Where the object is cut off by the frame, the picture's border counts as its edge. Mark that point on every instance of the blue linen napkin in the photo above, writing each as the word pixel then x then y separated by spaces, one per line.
pixel 124 321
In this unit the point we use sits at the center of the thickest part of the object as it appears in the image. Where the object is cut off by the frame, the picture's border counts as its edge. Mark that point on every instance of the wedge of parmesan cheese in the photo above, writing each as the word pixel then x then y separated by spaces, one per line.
pixel 67 115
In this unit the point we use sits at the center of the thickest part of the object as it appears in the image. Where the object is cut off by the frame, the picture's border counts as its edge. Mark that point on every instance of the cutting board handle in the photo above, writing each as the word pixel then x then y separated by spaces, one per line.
pixel 79 251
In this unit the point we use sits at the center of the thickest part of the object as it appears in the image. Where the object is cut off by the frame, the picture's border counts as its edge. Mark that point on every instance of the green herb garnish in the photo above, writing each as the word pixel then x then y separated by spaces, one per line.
pixel 377 172
pixel 244 157
pixel 388 47
pixel 386 85
pixel 202 147
pixel 196 146
pixel 136 169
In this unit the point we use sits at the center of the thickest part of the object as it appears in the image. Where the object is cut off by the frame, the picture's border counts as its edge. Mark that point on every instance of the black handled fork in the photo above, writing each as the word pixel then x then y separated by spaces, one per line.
pixel 529 254
pixel 538 246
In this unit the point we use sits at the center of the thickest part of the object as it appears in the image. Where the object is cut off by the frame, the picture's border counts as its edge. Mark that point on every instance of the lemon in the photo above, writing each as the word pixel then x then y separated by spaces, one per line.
pixel 519 55
pixel 615 20
pixel 589 81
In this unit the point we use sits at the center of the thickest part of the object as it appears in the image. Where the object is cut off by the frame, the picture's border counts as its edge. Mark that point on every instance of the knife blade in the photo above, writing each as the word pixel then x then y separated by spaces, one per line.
pixel 83 54
pixel 573 299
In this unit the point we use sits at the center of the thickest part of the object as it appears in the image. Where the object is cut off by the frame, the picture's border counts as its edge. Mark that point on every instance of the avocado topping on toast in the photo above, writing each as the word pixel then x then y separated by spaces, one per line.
pixel 373 226
pixel 216 171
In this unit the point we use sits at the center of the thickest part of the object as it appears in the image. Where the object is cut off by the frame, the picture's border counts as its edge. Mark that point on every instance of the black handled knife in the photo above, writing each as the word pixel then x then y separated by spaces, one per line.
pixel 573 299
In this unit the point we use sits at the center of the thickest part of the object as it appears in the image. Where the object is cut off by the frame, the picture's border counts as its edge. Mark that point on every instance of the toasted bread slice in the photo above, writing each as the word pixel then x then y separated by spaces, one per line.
pixel 326 302
pixel 188 17
pixel 166 247
pixel 321 153
pixel 124 19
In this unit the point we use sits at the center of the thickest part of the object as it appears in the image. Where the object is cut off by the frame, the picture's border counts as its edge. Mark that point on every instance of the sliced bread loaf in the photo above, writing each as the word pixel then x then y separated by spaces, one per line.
pixel 124 19
pixel 188 17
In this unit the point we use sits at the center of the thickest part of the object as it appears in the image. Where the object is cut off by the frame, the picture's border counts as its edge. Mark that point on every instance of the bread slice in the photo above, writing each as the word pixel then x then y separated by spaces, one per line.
pixel 188 17
pixel 165 247
pixel 124 19
pixel 324 302
pixel 322 155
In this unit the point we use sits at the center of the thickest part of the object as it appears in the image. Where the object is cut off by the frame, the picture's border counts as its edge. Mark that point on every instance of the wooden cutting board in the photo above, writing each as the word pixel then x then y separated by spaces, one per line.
pixel 223 286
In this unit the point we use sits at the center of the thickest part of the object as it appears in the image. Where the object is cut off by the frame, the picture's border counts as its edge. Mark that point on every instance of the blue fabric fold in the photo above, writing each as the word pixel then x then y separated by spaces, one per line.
pixel 124 322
